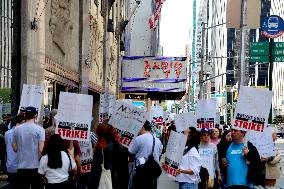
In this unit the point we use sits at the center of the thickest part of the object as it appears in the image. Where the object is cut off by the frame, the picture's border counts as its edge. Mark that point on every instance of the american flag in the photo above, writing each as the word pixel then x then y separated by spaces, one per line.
pixel 154 19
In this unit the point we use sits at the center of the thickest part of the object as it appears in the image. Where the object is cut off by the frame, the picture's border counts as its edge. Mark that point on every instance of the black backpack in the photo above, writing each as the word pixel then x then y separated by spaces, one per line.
pixel 151 167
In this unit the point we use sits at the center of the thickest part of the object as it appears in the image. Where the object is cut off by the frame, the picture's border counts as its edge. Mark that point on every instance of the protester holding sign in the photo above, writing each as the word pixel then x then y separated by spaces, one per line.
pixel 243 163
pixel 209 156
pixel 112 155
pixel 188 172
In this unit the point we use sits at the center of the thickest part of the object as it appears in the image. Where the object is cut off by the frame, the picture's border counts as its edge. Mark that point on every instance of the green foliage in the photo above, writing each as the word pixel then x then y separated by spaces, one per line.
pixel 5 95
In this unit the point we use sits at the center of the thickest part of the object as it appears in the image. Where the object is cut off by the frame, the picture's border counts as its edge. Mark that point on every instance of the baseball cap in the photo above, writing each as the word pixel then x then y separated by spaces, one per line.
pixel 31 109
pixel 204 130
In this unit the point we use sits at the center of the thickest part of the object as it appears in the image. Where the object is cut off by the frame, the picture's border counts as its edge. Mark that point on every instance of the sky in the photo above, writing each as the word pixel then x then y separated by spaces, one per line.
pixel 175 25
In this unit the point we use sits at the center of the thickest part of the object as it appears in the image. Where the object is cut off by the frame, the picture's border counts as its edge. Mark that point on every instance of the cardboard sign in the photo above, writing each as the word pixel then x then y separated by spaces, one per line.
pixel 112 102
pixel 32 96
pixel 103 109
pixel 174 153
pixel 157 111
pixel 207 158
pixel 74 116
pixel 252 109
pixel 206 114
pixel 86 156
pixel 128 121
pixel 184 121
pixel 263 142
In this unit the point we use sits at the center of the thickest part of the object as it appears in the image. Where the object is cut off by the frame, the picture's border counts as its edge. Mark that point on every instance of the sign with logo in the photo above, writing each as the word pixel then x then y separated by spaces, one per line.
pixel 127 120
pixel 174 153
pixel 153 74
pixel 206 114
pixel 252 109
pixel 219 95
pixel 74 116
pixel 272 26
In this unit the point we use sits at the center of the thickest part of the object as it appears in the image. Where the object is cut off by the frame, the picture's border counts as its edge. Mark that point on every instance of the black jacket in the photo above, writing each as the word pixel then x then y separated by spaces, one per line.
pixel 256 168
pixel 116 159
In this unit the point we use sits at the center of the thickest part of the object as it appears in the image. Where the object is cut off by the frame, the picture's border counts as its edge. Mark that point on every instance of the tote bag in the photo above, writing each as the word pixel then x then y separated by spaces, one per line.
pixel 105 180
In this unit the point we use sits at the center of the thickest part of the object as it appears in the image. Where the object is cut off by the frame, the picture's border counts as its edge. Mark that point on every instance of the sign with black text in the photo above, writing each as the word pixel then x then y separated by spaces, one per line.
pixel 74 116
pixel 31 96
pixel 86 156
pixel 128 121
pixel 206 114
pixel 252 109
pixel 174 153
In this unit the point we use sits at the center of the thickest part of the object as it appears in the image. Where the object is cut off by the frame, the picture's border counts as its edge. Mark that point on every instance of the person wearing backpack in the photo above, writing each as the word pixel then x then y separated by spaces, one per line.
pixel 189 168
pixel 145 147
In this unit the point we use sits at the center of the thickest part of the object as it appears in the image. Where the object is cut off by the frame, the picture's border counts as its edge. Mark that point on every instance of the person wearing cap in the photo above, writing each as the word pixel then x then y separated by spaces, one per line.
pixel 28 143
pixel 243 163
pixel 212 148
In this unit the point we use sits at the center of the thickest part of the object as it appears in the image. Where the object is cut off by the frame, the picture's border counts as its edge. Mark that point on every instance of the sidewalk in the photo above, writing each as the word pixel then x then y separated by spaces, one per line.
pixel 166 182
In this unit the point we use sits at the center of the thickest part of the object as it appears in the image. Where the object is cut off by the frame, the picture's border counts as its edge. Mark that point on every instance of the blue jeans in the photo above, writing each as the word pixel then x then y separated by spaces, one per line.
pixel 185 185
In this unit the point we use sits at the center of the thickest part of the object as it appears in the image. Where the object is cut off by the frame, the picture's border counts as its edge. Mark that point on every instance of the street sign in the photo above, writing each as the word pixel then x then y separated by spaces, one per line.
pixel 259 52
pixel 259 59
pixel 277 58
pixel 278 52
pixel 278 45
pixel 272 26
pixel 219 95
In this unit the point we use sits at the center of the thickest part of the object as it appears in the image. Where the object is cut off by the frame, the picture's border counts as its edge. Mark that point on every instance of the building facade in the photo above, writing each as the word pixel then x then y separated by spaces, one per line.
pixel 140 40
pixel 71 46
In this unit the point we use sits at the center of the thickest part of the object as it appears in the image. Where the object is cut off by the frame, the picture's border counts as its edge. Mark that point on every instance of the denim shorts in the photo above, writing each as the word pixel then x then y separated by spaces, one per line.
pixel 185 185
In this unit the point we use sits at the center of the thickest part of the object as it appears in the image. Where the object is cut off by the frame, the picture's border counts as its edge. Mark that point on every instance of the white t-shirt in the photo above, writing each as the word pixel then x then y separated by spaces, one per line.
pixel 141 146
pixel 56 175
pixel 191 160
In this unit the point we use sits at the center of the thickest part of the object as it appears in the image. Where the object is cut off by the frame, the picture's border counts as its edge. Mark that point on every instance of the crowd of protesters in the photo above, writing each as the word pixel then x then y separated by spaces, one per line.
pixel 38 158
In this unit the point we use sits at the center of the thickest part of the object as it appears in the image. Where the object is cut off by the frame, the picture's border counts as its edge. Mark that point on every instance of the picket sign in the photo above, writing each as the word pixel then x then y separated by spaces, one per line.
pixel 263 142
pixel 128 121
pixel 73 120
pixel 206 114
pixel 31 96
pixel 86 155
pixel 184 121
pixel 174 152
pixel 252 109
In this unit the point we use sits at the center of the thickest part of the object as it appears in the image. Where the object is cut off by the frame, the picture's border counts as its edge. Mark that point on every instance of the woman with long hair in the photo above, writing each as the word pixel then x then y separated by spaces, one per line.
pixel 113 156
pixel 56 164
pixel 215 136
pixel 188 172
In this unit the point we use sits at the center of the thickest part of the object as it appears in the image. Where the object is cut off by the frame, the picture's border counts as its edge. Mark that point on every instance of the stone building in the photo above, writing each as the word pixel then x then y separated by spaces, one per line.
pixel 67 45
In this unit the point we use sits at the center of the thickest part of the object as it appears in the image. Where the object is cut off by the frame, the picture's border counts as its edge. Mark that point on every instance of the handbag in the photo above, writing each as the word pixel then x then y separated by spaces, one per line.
pixel 70 182
pixel 151 168
pixel 105 180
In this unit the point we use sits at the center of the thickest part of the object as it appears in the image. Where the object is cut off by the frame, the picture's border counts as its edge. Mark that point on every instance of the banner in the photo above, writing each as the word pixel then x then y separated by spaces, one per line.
pixel 103 109
pixel 86 155
pixel 206 114
pixel 128 121
pixel 32 96
pixel 174 153
pixel 184 121
pixel 207 158
pixel 252 109
pixel 263 142
pixel 74 116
